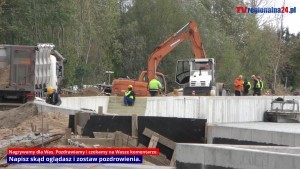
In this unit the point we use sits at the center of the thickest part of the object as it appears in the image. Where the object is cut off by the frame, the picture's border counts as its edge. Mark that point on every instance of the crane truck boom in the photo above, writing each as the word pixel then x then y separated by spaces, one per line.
pixel 189 30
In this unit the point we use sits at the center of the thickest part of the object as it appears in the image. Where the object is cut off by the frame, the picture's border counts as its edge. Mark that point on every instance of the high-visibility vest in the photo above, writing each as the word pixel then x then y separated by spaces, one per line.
pixel 129 94
pixel 261 83
pixel 154 85
pixel 257 84
pixel 249 85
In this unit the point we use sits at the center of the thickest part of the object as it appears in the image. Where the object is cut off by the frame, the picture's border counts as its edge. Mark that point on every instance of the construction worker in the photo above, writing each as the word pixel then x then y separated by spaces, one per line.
pixel 129 97
pixel 256 86
pixel 247 87
pixel 52 96
pixel 238 85
pixel 154 86
pixel 261 83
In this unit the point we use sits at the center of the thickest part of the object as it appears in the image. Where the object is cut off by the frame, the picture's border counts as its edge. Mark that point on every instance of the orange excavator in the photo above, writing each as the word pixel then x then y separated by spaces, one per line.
pixel 140 86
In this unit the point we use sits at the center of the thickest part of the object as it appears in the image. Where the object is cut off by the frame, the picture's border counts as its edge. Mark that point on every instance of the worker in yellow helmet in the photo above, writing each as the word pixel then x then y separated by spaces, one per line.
pixel 52 96
pixel 129 97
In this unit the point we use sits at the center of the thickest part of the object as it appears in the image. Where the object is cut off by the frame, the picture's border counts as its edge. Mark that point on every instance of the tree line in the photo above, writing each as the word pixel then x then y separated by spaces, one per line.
pixel 119 35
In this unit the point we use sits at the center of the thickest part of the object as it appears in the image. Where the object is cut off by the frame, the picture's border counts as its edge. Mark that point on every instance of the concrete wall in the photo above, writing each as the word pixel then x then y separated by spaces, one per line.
pixel 91 102
pixel 216 109
pixel 208 156
pixel 44 107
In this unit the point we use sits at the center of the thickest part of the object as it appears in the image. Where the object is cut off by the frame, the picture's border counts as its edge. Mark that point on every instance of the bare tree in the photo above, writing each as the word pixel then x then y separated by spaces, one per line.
pixel 277 61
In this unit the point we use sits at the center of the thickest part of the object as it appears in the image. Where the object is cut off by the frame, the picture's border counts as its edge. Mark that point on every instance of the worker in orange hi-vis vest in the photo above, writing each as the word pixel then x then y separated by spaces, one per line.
pixel 238 85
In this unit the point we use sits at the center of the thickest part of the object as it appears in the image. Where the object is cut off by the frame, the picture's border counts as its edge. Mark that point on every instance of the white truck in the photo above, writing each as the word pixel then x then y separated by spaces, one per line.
pixel 26 71
pixel 198 77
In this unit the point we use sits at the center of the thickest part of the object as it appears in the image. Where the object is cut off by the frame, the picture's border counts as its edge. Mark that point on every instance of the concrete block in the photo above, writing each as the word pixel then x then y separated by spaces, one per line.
pixel 261 136
pixel 222 158
pixel 296 162
pixel 184 153
pixel 229 156
pixel 221 132
pixel 260 160
pixel 276 138
pixel 277 161
pixel 240 134
pixel 210 158
pixel 287 139
pixel 237 158
pixel 297 140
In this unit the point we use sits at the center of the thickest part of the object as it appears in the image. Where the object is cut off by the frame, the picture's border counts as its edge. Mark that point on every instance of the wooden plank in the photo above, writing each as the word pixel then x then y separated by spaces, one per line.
pixel 206 133
pixel 104 135
pixel 124 139
pixel 118 140
pixel 79 130
pixel 95 141
pixel 153 141
pixel 68 135
pixel 75 122
pixel 160 160
pixel 173 160
pixel 163 140
pixel 134 126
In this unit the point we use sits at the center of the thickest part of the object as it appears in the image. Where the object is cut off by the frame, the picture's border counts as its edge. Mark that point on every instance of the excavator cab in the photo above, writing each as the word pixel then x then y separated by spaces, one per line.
pixel 161 79
pixel 182 76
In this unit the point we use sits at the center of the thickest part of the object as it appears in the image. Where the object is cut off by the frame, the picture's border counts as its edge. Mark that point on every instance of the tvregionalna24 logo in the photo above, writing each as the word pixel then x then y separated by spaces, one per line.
pixel 244 9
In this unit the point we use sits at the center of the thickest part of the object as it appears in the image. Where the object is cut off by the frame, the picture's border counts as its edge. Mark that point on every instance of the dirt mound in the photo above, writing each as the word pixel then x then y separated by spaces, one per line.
pixel 18 121
pixel 4 74
pixel 89 91
pixel 13 117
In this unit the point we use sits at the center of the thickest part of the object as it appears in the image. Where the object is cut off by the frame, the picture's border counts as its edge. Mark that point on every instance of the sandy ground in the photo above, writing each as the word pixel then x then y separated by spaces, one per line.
pixel 18 122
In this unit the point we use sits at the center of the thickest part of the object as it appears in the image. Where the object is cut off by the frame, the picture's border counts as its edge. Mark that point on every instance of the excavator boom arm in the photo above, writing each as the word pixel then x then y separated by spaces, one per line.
pixel 172 42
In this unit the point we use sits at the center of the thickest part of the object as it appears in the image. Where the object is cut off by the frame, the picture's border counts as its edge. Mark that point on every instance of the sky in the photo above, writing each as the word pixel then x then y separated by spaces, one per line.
pixel 292 20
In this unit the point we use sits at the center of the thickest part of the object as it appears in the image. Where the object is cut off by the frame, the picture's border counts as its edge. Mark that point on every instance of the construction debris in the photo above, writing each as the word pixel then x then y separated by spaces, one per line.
pixel 25 127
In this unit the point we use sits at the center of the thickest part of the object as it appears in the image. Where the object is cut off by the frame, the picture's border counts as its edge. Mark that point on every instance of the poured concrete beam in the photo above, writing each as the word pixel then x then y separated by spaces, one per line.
pixel 225 156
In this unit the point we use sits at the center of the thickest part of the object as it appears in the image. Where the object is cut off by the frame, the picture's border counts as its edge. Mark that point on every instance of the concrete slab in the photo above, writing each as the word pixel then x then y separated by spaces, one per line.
pixel 255 133
pixel 227 156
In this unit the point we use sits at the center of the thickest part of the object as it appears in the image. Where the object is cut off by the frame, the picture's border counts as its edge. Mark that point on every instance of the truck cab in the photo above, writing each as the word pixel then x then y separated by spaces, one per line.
pixel 283 111
pixel 198 77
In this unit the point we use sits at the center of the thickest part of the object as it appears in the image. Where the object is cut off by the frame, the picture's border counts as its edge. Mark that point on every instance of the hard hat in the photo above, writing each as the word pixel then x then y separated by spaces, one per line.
pixel 241 76
pixel 130 86
pixel 49 90
pixel 253 76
